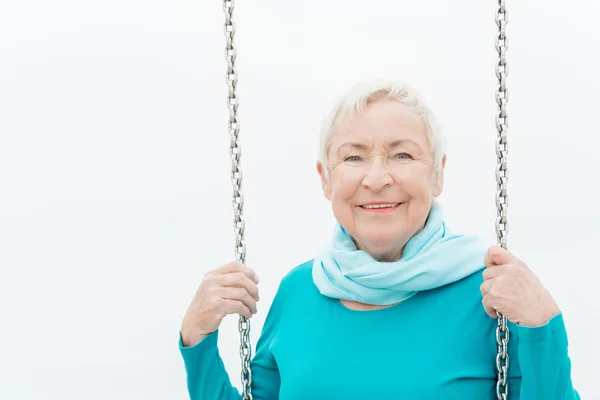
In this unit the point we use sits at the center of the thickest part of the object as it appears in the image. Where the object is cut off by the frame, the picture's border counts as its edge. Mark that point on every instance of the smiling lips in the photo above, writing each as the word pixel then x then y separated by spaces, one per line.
pixel 380 207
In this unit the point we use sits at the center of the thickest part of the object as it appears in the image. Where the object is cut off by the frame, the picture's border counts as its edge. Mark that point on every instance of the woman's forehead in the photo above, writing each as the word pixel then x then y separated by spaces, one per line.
pixel 388 134
pixel 385 120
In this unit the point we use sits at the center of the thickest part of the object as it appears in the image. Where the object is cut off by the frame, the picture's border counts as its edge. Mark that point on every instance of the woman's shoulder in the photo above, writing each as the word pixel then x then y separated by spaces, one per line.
pixel 296 288
pixel 463 292
pixel 469 284
pixel 298 278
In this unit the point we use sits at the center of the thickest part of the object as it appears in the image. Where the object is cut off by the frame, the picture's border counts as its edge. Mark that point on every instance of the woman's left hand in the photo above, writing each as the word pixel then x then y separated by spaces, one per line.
pixel 512 289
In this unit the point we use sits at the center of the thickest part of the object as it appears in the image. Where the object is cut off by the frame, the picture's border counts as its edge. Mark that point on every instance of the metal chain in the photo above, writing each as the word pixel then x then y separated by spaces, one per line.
pixel 238 199
pixel 502 333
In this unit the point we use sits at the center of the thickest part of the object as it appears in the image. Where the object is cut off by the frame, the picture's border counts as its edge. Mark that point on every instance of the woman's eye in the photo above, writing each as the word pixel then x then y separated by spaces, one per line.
pixel 352 158
pixel 403 156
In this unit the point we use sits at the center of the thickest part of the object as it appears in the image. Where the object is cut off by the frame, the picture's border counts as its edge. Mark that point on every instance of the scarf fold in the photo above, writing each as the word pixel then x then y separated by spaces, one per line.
pixel 432 258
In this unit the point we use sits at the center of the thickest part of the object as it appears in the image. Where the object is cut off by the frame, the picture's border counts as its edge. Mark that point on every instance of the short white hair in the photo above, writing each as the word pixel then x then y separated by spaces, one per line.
pixel 355 101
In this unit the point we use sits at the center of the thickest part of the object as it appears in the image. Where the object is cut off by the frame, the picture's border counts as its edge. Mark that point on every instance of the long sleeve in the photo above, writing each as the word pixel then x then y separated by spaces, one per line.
pixel 544 363
pixel 207 378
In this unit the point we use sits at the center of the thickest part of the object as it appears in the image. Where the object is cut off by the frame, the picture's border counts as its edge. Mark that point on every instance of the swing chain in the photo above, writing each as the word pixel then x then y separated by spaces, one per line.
pixel 502 333
pixel 238 199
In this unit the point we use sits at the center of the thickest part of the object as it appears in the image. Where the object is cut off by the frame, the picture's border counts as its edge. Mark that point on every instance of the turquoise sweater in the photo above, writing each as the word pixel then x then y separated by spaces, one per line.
pixel 439 344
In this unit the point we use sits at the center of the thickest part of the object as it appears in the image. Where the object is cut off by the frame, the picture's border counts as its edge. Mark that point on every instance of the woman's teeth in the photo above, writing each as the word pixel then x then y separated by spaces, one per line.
pixel 381 205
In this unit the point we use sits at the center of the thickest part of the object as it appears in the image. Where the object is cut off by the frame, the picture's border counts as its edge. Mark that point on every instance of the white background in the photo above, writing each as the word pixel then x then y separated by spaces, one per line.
pixel 115 195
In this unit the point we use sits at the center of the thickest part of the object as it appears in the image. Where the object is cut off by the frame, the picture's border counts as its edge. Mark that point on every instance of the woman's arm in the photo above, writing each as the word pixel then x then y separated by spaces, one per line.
pixel 544 362
pixel 207 378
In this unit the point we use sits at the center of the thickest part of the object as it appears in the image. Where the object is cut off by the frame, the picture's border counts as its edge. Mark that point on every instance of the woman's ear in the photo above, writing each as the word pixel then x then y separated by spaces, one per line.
pixel 324 180
pixel 439 178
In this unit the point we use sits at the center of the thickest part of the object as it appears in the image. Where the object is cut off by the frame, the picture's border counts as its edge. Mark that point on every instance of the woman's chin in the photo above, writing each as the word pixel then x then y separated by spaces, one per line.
pixel 380 241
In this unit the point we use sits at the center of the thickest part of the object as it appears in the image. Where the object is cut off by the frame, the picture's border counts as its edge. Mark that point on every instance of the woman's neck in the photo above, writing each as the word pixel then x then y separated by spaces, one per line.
pixel 356 306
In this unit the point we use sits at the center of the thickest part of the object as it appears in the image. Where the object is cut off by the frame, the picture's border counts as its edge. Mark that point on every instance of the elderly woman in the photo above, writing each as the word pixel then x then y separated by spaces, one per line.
pixel 396 306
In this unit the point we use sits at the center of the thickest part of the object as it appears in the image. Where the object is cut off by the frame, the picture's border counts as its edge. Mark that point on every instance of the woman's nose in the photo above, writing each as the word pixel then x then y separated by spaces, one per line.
pixel 377 176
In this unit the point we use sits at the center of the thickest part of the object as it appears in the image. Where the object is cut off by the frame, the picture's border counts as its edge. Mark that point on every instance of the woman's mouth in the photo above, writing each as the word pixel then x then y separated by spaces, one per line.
pixel 380 207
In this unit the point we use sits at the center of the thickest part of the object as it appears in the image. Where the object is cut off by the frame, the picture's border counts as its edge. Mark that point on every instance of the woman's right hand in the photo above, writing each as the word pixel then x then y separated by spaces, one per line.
pixel 230 289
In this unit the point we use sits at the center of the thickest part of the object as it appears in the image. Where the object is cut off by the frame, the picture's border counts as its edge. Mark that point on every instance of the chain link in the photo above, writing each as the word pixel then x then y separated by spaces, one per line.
pixel 238 199
pixel 502 333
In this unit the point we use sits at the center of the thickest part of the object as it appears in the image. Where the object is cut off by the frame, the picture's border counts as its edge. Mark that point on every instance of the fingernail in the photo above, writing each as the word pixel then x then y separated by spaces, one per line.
pixel 256 278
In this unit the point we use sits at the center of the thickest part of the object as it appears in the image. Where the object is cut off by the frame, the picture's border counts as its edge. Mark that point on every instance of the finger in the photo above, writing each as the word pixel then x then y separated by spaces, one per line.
pixel 485 287
pixel 236 267
pixel 239 294
pixel 491 273
pixel 490 255
pixel 489 310
pixel 236 307
pixel 497 255
pixel 238 279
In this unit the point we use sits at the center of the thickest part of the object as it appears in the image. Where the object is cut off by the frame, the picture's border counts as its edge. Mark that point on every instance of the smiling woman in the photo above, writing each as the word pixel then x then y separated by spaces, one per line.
pixel 392 262
pixel 379 153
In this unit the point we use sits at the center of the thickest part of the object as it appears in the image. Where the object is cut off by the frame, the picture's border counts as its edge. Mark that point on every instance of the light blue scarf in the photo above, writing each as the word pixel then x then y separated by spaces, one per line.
pixel 432 258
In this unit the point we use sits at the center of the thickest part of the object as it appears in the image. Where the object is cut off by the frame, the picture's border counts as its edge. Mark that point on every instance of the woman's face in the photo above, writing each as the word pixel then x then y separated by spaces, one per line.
pixel 381 177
